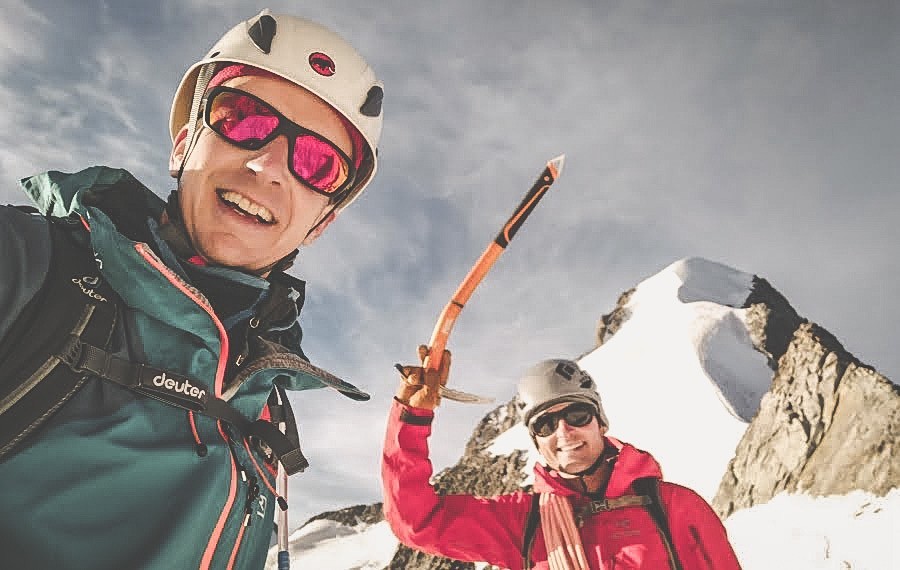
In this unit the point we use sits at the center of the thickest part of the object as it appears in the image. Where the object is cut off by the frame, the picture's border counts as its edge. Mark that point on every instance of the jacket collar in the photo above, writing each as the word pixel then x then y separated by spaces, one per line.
pixel 632 463
pixel 134 211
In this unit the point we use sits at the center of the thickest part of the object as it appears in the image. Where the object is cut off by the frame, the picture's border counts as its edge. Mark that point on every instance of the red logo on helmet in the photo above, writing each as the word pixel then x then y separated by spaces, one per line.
pixel 322 64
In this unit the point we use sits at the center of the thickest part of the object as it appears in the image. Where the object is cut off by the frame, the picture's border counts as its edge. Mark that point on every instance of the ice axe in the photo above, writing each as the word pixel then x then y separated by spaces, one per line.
pixel 448 316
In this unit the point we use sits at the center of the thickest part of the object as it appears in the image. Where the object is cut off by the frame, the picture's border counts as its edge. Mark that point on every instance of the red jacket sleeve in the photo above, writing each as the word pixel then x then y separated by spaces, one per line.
pixel 462 527
pixel 699 535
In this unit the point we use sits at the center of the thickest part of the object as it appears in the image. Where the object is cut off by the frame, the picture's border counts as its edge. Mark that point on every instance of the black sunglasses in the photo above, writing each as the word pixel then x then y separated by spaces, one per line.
pixel 250 123
pixel 578 414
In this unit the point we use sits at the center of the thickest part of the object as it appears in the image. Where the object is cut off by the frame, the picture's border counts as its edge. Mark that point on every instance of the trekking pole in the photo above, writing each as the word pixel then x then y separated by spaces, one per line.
pixel 284 557
pixel 281 488
pixel 484 263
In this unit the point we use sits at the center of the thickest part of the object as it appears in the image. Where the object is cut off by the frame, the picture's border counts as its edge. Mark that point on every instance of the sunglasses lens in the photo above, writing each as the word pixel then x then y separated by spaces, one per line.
pixel 241 119
pixel 576 415
pixel 544 425
pixel 318 164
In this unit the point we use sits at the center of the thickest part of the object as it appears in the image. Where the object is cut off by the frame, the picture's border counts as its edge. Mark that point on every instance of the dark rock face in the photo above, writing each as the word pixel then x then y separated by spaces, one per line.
pixel 829 425
pixel 477 473
pixel 612 321
pixel 771 320
pixel 352 516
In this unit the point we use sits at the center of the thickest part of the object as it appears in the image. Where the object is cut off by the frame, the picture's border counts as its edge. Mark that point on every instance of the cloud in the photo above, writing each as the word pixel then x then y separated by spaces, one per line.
pixel 22 30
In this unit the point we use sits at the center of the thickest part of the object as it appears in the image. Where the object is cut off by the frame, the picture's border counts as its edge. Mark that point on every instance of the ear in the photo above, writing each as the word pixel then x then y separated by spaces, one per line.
pixel 313 235
pixel 177 155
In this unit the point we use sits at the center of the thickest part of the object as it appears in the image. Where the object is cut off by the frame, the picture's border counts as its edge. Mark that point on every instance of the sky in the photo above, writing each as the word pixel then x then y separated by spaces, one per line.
pixel 717 378
pixel 757 134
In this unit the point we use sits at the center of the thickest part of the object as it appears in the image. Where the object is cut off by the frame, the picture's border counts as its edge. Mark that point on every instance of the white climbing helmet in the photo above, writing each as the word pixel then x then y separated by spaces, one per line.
pixel 550 382
pixel 305 53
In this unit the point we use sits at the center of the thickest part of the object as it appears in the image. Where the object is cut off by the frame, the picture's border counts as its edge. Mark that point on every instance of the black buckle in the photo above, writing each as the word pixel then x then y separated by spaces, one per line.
pixel 71 353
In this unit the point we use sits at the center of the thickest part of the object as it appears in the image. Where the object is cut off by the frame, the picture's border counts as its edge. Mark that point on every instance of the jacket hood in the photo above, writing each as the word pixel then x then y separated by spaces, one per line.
pixel 60 194
pixel 632 463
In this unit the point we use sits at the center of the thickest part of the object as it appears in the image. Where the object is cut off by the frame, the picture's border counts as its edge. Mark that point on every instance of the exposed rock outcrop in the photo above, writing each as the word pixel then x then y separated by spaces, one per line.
pixel 771 320
pixel 353 516
pixel 612 321
pixel 829 425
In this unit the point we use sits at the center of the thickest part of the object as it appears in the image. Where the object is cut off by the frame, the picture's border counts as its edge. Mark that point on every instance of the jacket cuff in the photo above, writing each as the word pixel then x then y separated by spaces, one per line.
pixel 414 416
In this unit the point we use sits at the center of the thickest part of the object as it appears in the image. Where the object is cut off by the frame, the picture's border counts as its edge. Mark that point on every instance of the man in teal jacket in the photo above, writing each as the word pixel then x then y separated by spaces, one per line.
pixel 274 132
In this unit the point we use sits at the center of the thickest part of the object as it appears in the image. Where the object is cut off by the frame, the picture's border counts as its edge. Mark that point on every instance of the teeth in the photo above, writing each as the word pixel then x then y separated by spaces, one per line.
pixel 246 205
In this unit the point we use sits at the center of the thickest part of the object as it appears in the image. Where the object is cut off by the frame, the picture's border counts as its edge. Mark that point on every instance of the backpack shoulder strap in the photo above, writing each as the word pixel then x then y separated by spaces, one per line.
pixel 531 525
pixel 649 486
pixel 73 301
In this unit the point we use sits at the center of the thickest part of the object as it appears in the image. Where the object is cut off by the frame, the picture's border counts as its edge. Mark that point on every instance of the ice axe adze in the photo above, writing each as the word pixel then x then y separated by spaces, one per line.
pixel 448 316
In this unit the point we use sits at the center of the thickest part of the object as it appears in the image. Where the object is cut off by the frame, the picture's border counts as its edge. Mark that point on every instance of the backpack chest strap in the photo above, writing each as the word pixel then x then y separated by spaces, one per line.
pixel 182 392
pixel 604 505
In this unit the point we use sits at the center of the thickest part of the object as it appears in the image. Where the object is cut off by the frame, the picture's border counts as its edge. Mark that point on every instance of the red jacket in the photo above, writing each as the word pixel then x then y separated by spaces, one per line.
pixel 475 529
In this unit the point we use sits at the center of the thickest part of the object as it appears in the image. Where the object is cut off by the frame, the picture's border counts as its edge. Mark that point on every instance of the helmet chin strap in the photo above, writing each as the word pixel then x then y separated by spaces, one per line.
pixel 585 472
pixel 322 219
pixel 591 469
pixel 204 75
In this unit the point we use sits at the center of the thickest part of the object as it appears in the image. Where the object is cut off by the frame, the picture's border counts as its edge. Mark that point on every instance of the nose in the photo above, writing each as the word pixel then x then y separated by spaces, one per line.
pixel 563 427
pixel 270 163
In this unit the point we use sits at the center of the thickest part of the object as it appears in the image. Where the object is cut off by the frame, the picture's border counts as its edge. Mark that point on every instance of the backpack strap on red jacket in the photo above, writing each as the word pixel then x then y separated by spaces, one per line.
pixel 649 486
pixel 531 524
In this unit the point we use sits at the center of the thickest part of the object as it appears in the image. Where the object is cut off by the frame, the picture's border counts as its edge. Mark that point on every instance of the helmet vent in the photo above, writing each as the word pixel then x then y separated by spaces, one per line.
pixel 372 105
pixel 565 370
pixel 262 32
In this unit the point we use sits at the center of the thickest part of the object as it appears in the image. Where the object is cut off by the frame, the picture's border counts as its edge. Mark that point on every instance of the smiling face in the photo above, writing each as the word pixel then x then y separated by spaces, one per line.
pixel 244 208
pixel 568 449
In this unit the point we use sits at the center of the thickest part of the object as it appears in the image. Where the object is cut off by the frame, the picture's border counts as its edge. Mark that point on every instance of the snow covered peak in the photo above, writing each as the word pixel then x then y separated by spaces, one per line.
pixel 694 279
pixel 680 377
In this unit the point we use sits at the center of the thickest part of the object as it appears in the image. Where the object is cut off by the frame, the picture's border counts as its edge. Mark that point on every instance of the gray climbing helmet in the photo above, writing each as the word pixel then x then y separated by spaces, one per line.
pixel 550 382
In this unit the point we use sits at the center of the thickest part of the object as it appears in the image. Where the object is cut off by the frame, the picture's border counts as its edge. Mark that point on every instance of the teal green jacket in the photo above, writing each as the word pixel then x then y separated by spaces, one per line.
pixel 116 480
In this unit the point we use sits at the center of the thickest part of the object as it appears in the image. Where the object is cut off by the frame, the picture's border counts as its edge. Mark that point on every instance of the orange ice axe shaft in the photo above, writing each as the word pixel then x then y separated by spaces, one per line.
pixel 448 316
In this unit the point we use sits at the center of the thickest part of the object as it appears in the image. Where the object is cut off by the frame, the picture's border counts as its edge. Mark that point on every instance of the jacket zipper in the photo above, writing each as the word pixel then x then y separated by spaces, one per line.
pixel 198 298
pixel 252 496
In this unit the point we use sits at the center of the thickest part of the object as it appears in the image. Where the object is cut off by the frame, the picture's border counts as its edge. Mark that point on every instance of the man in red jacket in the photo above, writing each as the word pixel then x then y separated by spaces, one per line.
pixel 595 494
